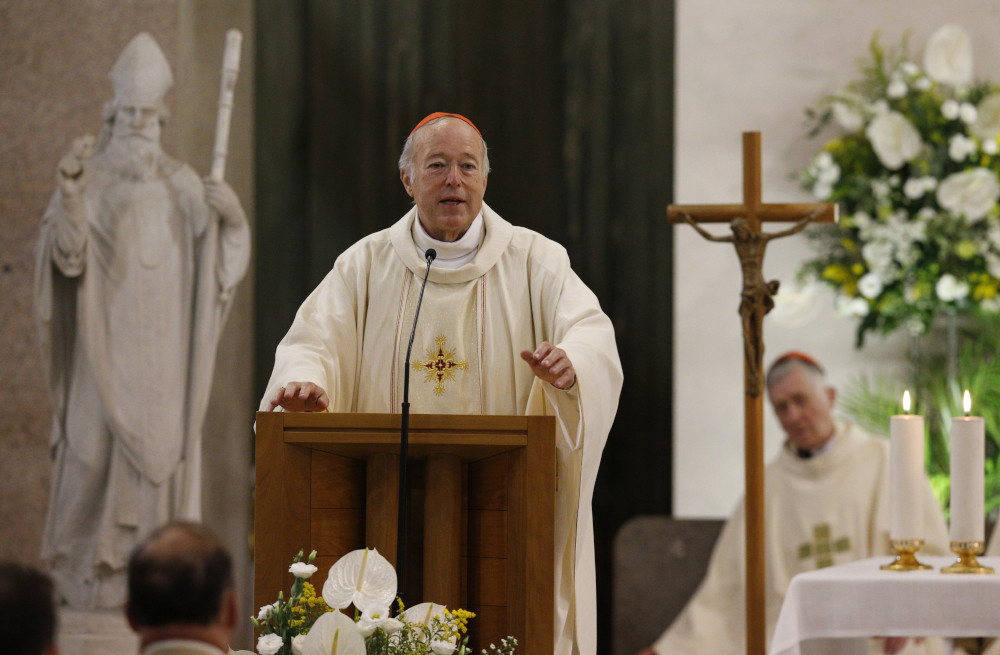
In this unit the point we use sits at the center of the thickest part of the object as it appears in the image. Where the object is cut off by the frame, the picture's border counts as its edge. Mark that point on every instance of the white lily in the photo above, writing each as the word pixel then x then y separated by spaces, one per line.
pixel 972 193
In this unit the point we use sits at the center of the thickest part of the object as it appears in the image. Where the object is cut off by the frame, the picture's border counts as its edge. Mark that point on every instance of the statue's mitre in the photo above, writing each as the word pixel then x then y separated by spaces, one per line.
pixel 141 76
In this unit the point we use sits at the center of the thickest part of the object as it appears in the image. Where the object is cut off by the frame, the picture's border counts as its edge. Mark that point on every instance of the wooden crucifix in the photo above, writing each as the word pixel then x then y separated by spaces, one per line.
pixel 750 241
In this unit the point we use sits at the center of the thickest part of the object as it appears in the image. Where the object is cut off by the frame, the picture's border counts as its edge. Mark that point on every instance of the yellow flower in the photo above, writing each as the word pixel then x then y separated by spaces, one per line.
pixel 986 289
pixel 858 269
pixel 966 249
pixel 848 244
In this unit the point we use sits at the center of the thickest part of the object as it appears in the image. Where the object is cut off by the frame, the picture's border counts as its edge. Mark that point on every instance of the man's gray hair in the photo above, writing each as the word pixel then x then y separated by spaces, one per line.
pixel 786 363
pixel 406 158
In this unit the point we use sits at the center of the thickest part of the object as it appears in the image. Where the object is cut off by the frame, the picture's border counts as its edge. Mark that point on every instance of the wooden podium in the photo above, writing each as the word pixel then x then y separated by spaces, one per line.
pixel 482 510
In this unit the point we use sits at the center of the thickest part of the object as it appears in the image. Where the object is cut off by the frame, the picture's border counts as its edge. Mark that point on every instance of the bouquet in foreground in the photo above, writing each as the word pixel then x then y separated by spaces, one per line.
pixel 915 172
pixel 307 624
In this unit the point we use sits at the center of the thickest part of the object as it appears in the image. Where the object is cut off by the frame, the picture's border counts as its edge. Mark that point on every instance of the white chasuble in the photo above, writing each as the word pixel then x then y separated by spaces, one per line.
pixel 350 336
pixel 830 509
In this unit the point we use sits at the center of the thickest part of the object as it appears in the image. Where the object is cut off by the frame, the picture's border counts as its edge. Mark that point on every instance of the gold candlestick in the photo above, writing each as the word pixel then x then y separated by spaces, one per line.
pixel 905 558
pixel 967 562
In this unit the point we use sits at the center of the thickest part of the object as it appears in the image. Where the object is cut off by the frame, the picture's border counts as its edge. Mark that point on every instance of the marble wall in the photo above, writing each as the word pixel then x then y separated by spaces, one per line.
pixel 745 66
pixel 54 60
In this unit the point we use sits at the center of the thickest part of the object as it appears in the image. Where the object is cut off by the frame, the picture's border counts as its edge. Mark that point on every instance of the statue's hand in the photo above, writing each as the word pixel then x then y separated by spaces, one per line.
pixel 71 173
pixel 221 198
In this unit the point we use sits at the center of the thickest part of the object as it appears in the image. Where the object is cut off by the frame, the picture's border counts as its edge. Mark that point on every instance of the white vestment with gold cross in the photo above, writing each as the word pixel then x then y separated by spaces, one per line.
pixel 351 333
pixel 829 509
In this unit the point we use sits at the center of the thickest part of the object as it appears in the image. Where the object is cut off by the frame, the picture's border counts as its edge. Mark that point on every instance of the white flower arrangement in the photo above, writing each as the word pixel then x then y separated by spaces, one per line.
pixel 311 625
pixel 916 173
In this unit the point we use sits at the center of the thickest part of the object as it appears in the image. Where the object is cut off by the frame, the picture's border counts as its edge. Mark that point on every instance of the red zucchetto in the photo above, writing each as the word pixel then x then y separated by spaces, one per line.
pixel 440 114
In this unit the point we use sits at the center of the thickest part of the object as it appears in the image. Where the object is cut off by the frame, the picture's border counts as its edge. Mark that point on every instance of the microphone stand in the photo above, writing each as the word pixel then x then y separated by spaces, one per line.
pixel 404 440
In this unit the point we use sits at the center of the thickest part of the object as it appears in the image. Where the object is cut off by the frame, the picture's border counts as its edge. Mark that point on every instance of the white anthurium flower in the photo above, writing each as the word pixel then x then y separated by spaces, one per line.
pixel 894 139
pixel 269 644
pixel 372 619
pixel 960 147
pixel 896 89
pixel 950 109
pixel 333 634
pixel 302 570
pixel 971 193
pixel 424 613
pixel 846 115
pixel 987 123
pixel 948 56
pixel 968 113
pixel 949 288
pixel 442 647
pixel 298 641
pixel 362 577
pixel 852 307
pixel 870 285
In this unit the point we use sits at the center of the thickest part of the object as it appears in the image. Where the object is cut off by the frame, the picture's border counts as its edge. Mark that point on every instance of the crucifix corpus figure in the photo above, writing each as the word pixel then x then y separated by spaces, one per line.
pixel 757 298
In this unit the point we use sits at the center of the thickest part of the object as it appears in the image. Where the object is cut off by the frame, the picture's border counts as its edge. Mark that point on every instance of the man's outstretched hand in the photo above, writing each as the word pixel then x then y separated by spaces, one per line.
pixel 551 364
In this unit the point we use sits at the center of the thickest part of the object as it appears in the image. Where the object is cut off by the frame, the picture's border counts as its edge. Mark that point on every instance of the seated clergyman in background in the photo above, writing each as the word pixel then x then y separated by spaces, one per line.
pixel 506 327
pixel 826 502
pixel 27 611
pixel 181 599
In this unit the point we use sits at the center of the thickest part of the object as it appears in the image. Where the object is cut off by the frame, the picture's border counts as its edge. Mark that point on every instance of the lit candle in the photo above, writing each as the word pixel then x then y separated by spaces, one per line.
pixel 906 474
pixel 968 443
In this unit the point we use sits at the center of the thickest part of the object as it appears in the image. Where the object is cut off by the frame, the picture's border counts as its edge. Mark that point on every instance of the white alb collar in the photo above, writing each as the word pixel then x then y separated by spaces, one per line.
pixel 450 254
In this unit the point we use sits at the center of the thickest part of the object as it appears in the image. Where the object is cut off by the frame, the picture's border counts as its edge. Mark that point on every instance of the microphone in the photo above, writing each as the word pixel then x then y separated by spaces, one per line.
pixel 404 438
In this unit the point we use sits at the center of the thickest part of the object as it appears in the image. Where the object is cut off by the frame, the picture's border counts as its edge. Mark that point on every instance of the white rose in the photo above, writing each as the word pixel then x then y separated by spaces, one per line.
pixel 971 193
pixel 372 619
pixel 896 89
pixel 442 647
pixel 822 190
pixel 870 285
pixel 922 84
pixel 909 68
pixel 960 147
pixel 948 56
pixel 302 570
pixel 847 116
pixel 992 264
pixel 990 146
pixel 968 113
pixel 914 188
pixel 950 288
pixel 265 611
pixel 269 644
pixel 297 642
pixel 852 307
pixel 987 124
pixel 392 626
pixel 894 139
pixel 950 109
pixel 824 160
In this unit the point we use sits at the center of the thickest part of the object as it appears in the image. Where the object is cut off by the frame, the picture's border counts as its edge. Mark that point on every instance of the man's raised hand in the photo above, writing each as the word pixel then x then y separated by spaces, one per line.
pixel 551 364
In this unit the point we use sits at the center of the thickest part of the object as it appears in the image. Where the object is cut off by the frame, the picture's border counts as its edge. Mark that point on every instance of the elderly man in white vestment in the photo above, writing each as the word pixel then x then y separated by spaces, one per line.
pixel 826 502
pixel 136 265
pixel 523 332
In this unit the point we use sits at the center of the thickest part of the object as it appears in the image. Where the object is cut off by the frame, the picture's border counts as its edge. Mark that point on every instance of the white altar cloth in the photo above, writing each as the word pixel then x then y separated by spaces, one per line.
pixel 843 605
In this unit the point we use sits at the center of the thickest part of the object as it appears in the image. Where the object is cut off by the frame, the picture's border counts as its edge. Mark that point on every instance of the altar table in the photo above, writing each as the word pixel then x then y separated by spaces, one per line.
pixel 843 605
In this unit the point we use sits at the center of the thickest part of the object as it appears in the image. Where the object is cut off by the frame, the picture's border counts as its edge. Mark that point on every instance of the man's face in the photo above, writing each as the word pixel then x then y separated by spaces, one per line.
pixel 804 407
pixel 448 180
pixel 138 121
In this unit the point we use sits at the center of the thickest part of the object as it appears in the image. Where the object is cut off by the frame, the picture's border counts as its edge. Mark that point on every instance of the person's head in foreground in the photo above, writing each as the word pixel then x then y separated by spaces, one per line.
pixel 444 167
pixel 27 611
pixel 802 401
pixel 180 587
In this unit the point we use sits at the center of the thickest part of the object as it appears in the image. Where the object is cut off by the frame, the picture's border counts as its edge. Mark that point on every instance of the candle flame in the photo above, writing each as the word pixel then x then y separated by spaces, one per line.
pixel 967 402
pixel 906 401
